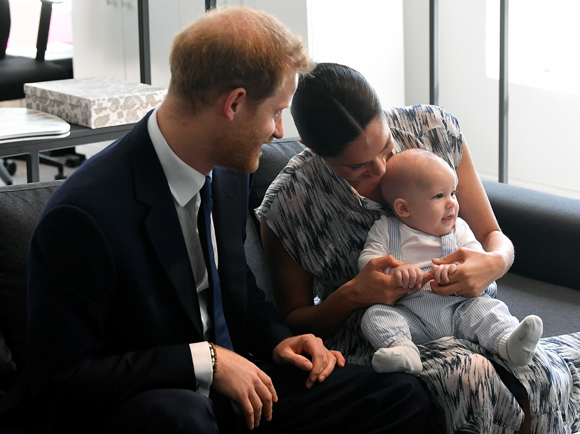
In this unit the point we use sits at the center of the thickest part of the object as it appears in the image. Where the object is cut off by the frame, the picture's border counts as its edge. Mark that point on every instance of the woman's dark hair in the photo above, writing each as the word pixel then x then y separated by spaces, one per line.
pixel 332 106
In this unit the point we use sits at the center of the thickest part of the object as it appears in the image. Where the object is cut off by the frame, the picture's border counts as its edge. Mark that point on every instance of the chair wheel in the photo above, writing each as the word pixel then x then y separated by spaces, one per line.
pixel 11 167
pixel 59 176
pixel 75 161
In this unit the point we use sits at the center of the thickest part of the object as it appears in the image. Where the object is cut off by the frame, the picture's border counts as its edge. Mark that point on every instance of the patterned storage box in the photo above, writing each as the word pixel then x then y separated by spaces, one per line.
pixel 94 102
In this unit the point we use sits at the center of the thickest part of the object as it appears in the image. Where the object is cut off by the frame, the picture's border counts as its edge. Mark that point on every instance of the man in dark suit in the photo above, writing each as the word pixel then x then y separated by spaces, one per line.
pixel 124 297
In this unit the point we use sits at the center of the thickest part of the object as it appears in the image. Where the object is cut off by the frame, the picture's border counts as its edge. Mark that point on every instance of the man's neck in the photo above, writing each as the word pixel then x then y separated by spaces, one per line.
pixel 189 136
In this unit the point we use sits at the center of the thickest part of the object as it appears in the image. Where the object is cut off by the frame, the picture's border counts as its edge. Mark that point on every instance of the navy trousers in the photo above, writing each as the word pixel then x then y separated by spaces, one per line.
pixel 353 399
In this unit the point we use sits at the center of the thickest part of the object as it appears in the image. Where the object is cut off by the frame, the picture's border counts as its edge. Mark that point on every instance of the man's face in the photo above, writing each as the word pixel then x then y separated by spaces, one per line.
pixel 260 124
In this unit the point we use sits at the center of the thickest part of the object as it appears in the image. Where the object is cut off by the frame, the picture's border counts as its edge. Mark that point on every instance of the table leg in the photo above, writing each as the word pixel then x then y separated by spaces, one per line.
pixel 32 167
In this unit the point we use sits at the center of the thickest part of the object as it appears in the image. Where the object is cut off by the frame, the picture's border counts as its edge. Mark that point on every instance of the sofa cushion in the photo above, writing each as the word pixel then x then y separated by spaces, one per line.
pixel 558 306
pixel 20 208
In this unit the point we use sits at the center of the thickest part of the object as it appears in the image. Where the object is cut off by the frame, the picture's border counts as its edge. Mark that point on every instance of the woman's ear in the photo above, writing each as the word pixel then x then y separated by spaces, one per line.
pixel 400 208
pixel 234 102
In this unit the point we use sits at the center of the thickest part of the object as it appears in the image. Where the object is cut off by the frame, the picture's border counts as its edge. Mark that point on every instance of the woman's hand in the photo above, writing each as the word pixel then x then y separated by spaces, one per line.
pixel 476 270
pixel 321 361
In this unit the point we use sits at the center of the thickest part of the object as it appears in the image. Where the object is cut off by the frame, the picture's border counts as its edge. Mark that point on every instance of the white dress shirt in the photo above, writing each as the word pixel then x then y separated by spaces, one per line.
pixel 185 184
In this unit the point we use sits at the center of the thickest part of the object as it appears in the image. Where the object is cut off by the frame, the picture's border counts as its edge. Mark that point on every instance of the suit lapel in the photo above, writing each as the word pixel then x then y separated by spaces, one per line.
pixel 162 223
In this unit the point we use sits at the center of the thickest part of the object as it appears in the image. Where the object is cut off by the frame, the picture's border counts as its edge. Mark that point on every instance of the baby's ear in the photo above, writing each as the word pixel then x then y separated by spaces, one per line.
pixel 400 208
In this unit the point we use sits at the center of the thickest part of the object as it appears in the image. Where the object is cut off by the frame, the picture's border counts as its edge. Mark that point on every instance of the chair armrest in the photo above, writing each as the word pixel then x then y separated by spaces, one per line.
pixel 545 231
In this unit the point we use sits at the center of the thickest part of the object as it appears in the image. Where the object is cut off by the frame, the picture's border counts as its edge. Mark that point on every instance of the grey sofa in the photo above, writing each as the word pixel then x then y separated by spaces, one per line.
pixel 545 230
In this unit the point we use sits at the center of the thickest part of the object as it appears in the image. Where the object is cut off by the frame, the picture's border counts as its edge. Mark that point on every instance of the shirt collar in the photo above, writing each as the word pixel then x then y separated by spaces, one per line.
pixel 184 181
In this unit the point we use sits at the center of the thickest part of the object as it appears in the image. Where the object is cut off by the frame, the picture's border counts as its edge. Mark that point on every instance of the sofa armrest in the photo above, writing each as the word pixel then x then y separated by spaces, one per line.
pixel 545 231
pixel 20 208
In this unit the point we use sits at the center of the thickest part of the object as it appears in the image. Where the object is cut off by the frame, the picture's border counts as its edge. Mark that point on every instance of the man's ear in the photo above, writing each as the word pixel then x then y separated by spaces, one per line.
pixel 233 102
pixel 400 208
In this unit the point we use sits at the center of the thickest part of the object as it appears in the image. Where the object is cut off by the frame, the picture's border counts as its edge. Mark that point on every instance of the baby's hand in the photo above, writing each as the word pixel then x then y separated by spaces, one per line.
pixel 408 276
pixel 442 272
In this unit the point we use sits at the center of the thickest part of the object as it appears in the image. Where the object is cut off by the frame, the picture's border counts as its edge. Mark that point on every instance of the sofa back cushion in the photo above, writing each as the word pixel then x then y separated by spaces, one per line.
pixel 20 208
pixel 545 231
pixel 275 156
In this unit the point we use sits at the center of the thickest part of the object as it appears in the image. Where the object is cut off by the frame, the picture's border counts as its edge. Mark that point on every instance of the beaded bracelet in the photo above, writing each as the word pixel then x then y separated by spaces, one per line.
pixel 213 359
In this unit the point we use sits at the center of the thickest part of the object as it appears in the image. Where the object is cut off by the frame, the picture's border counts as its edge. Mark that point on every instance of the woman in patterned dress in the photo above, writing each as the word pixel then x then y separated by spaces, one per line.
pixel 315 218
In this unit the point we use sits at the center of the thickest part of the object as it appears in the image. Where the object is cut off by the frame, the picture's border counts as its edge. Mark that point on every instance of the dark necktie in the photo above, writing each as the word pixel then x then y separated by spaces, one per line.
pixel 222 335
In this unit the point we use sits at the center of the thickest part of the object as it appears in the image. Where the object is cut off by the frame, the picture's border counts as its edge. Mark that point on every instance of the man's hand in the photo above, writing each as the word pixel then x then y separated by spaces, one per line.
pixel 244 383
pixel 321 363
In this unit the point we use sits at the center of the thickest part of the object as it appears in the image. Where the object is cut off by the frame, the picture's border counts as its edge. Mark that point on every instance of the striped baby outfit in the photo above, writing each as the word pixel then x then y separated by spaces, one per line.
pixel 422 315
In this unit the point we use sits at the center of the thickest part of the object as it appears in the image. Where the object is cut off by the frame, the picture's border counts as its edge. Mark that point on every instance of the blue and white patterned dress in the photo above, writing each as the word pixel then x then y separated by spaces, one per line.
pixel 323 224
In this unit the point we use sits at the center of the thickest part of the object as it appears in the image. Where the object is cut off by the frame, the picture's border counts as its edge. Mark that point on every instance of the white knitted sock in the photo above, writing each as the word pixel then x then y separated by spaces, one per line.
pixel 519 347
pixel 401 356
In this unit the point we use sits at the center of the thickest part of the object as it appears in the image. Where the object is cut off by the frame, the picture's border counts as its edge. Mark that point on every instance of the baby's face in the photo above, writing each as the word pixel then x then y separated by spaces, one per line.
pixel 432 203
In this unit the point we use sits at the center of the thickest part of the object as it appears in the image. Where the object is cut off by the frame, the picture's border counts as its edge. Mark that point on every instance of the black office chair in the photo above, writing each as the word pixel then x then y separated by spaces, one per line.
pixel 17 70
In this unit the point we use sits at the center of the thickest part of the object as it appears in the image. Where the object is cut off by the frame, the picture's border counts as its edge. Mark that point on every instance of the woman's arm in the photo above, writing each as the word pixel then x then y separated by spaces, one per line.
pixel 477 270
pixel 292 287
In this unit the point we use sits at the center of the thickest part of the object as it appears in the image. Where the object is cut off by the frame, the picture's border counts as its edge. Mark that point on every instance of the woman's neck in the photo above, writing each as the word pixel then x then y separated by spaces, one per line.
pixel 370 191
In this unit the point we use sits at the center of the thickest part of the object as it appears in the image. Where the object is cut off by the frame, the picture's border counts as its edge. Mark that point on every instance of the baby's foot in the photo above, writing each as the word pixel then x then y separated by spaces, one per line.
pixel 399 357
pixel 520 345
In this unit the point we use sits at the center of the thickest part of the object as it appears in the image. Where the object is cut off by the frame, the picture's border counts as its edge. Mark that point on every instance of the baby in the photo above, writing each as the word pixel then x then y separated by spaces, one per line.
pixel 420 189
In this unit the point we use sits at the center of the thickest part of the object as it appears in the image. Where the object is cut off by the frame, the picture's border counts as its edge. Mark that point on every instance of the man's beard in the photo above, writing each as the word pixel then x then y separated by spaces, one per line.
pixel 241 152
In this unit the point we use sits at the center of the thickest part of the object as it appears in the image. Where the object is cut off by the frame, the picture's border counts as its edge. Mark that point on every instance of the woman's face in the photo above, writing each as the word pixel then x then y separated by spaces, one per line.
pixel 363 160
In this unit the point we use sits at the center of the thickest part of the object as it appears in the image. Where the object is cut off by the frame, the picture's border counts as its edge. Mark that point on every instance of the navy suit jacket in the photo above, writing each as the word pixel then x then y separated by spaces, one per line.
pixel 112 301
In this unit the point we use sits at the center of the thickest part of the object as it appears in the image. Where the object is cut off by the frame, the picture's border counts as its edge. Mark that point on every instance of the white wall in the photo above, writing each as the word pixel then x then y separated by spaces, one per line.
pixel 542 152
pixel 101 46
pixel 366 35
pixel 106 36
pixel 166 19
